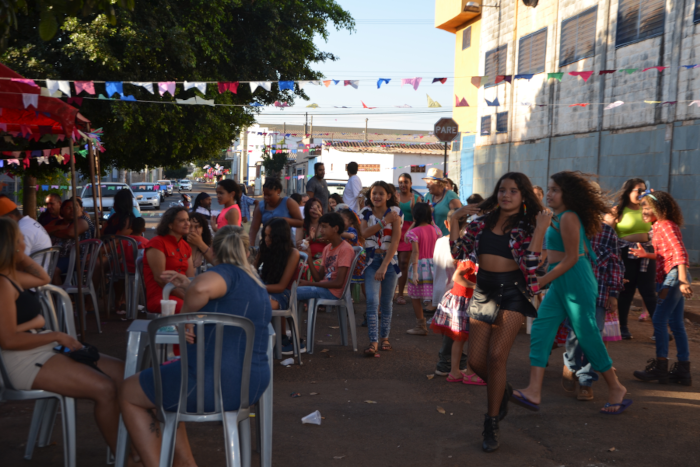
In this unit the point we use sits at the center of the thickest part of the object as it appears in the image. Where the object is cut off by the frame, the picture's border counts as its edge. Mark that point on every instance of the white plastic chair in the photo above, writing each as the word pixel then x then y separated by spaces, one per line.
pixel 343 305
pixel 47 259
pixel 117 252
pixel 90 250
pixel 46 406
pixel 236 423
pixel 291 315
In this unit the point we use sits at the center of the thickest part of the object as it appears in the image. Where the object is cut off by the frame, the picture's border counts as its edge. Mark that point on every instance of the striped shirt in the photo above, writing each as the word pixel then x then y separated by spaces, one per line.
pixel 380 240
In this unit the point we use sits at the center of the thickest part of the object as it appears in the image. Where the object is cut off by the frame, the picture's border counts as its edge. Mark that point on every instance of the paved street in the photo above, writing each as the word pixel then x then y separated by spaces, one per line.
pixel 404 426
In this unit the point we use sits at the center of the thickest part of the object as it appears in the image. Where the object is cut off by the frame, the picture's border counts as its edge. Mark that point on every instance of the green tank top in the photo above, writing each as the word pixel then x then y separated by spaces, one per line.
pixel 406 208
pixel 555 242
pixel 631 223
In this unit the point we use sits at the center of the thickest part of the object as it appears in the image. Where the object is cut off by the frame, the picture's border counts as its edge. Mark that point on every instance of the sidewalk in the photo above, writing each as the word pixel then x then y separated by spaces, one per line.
pixel 404 427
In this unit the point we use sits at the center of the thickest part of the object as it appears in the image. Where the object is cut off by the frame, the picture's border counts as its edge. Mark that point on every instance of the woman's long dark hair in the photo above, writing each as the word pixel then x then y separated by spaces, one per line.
pixel 528 210
pixel 168 218
pixel 582 197
pixel 202 220
pixel 232 187
pixel 390 190
pixel 624 199
pixel 123 202
pixel 274 258
pixel 665 207
pixel 198 202
pixel 307 212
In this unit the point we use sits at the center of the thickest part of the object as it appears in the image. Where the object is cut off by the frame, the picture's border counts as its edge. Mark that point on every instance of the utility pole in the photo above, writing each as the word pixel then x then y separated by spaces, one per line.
pixel 366 121
pixel 311 130
pixel 306 121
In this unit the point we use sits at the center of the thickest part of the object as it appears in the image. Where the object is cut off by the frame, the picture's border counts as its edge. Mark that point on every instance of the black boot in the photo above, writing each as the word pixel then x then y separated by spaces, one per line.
pixel 680 373
pixel 656 370
pixel 504 403
pixel 490 434
pixel 625 333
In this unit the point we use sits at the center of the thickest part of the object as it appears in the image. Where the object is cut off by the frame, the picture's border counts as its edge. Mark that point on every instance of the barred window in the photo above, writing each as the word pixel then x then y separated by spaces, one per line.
pixel 638 20
pixel 486 125
pixel 502 122
pixel 467 38
pixel 696 15
pixel 578 37
pixel 495 63
pixel 532 52
pixel 417 169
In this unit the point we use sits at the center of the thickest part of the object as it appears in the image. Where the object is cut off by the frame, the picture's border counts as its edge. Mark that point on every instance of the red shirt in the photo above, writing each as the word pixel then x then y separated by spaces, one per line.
pixel 177 255
pixel 460 290
pixel 668 245
pixel 141 244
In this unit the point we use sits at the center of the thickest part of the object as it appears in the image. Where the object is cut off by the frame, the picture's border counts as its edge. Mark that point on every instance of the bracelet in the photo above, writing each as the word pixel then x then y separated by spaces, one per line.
pixel 206 251
pixel 381 224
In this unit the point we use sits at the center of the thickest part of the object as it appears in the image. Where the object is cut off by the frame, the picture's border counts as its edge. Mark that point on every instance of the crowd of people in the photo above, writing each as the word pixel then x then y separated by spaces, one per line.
pixel 473 273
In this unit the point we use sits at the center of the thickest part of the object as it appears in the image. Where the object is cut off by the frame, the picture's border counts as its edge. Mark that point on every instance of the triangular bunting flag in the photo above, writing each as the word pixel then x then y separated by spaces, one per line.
pixel 382 80
pixel 128 98
pixel 199 86
pixel 432 103
pixel 354 83
pixel 463 102
pixel 190 101
pixel 228 86
pixel 286 85
pixel 147 86
pixel 557 76
pixel 652 102
pixel 30 100
pixel 166 86
pixel 657 68
pixel 313 106
pixel 202 101
pixel 606 72
pixel 476 81
pixel 527 76
pixel 440 80
pixel 694 103
pixel 613 105
pixel 493 103
pixel 114 87
pixel 629 71
pixel 327 83
pixel 364 106
pixel 415 82
pixel 63 86
pixel 579 105
pixel 582 74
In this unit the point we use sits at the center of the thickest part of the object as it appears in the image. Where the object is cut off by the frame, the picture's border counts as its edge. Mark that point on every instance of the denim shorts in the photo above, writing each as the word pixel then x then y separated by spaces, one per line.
pixel 671 279
pixel 282 298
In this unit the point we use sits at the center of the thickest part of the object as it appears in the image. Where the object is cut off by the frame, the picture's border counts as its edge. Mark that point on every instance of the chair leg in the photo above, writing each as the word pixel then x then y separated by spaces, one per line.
pixel 84 316
pixel 296 340
pixel 37 417
pixel 310 326
pixel 69 434
pixel 277 323
pixel 343 321
pixel 167 447
pixel 244 429
pixel 48 422
pixel 110 293
pixel 93 294
pixel 233 443
pixel 350 309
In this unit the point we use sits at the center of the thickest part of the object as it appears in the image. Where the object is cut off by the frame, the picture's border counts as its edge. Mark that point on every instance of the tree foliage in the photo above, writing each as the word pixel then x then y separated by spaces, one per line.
pixel 180 40
pixel 177 173
pixel 273 162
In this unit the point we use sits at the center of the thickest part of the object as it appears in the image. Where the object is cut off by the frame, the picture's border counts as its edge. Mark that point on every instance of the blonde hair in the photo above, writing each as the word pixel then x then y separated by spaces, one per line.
pixel 230 247
pixel 9 232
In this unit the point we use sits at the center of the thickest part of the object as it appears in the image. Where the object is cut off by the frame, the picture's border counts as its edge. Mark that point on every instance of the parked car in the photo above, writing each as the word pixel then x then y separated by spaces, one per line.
pixel 109 189
pixel 336 186
pixel 147 194
pixel 185 185
pixel 168 186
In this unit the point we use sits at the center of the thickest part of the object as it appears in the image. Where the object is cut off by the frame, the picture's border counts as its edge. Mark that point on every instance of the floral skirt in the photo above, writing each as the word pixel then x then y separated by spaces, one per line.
pixel 306 275
pixel 424 288
pixel 358 275
pixel 611 331
pixel 451 317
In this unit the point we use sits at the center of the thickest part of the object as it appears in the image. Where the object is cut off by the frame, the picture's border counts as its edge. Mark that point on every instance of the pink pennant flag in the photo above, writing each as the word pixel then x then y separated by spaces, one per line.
pixel 13 161
pixel 228 86
pixel 657 68
pixel 87 86
pixel 415 82
pixel 476 81
pixel 25 163
pixel 583 74
pixel 166 86
pixel 462 103
pixel 579 105
pixel 25 81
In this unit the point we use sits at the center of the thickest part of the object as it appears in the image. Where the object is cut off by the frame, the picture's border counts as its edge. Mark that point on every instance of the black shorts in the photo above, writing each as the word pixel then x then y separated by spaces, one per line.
pixel 497 291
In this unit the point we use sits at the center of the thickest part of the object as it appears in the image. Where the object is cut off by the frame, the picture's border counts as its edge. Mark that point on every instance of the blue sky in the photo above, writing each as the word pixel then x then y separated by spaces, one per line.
pixel 393 39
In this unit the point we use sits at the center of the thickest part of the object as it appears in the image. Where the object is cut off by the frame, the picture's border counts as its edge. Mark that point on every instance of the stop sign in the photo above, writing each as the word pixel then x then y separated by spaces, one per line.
pixel 446 130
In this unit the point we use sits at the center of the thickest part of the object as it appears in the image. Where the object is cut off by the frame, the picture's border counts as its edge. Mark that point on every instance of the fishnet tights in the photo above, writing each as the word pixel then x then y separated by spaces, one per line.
pixel 489 346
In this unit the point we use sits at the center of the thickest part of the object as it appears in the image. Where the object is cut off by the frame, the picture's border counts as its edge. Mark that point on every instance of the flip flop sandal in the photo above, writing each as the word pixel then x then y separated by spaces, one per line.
pixel 370 351
pixel 400 300
pixel 473 379
pixel 450 379
pixel 622 407
pixel 523 402
pixel 385 346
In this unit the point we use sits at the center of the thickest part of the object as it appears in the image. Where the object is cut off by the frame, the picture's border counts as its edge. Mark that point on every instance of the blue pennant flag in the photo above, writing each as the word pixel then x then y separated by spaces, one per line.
pixel 286 85
pixel 128 98
pixel 114 87
pixel 527 76
pixel 493 103
pixel 382 80
pixel 336 81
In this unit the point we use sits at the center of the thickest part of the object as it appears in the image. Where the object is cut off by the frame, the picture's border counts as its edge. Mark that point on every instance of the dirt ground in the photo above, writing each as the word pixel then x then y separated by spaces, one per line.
pixel 402 425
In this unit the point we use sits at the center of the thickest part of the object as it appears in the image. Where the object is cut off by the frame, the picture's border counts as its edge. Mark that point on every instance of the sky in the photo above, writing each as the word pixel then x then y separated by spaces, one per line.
pixel 393 39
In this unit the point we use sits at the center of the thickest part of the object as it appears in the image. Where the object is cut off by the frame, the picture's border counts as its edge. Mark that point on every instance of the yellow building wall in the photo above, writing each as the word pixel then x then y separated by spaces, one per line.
pixel 466 66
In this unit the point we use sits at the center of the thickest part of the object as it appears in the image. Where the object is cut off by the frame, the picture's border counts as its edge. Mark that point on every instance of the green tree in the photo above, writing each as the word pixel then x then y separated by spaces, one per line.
pixel 273 163
pixel 175 173
pixel 169 40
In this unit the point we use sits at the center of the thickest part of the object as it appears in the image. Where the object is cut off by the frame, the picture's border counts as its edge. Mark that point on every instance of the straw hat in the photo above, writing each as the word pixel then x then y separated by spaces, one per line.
pixel 434 174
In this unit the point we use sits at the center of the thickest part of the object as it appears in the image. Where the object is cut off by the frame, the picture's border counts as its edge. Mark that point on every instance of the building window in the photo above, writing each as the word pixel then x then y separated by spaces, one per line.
pixel 417 169
pixel 495 63
pixel 502 122
pixel 486 125
pixel 578 37
pixel 467 38
pixel 532 52
pixel 696 16
pixel 639 19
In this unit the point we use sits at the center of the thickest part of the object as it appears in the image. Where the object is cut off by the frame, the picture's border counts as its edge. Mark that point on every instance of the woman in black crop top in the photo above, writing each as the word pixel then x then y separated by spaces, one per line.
pixel 29 357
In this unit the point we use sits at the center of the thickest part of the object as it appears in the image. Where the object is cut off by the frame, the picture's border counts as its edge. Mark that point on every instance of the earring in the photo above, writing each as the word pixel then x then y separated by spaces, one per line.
pixel 524 208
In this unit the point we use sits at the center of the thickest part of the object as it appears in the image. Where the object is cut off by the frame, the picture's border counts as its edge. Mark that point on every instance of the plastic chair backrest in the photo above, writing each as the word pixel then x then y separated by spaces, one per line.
pixel 113 258
pixel 200 320
pixel 5 382
pixel 47 259
pixel 90 250
pixel 58 309
pixel 125 250
pixel 140 277
pixel 348 279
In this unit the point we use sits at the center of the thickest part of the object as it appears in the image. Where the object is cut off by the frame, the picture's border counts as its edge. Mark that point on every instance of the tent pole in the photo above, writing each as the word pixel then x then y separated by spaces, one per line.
pixel 80 301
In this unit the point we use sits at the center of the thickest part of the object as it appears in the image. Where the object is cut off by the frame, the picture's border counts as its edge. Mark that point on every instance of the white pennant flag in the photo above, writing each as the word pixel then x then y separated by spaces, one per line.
pixel 30 99
pixel 46 93
pixel 147 86
pixel 201 101
pixel 301 84
pixel 64 86
pixel 266 85
pixel 190 101
pixel 694 102
pixel 201 87
pixel 52 86
pixel 613 105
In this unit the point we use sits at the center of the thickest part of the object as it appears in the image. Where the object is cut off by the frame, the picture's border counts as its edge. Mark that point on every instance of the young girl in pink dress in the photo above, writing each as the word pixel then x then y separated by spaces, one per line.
pixel 422 238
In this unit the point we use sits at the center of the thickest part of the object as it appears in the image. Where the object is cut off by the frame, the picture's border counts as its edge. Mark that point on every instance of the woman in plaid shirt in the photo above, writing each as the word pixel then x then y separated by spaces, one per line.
pixel 672 287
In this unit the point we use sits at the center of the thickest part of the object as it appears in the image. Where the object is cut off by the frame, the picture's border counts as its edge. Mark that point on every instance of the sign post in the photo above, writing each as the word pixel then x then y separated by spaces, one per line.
pixel 446 130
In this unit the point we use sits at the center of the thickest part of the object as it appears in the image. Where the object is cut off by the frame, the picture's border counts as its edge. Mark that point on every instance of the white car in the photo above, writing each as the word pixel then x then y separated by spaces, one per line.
pixel 108 189
pixel 167 184
pixel 185 185
pixel 147 194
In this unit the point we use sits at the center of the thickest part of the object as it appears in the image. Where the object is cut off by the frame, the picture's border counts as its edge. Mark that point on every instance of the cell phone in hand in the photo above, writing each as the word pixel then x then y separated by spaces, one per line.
pixel 62 349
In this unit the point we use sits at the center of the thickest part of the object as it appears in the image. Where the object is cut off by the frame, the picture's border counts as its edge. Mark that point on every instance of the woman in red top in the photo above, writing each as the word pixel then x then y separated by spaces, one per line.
pixel 167 251
pixel 672 287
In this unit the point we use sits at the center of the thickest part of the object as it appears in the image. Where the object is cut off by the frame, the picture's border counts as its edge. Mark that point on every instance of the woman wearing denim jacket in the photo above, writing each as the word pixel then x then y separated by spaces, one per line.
pixel 506 242
pixel 672 287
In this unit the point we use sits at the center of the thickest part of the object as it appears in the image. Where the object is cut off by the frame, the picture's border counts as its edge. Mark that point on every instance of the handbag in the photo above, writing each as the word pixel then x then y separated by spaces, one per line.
pixel 88 355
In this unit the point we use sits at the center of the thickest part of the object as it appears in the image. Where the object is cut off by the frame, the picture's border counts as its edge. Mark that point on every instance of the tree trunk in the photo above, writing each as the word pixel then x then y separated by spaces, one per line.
pixel 29 196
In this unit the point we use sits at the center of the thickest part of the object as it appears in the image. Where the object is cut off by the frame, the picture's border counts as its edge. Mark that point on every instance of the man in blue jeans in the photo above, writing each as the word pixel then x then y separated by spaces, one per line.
pixel 609 271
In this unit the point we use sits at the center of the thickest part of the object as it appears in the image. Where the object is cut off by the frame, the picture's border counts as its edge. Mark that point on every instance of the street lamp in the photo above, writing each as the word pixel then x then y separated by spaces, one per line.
pixel 475 7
